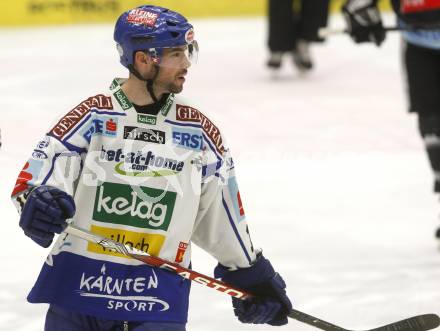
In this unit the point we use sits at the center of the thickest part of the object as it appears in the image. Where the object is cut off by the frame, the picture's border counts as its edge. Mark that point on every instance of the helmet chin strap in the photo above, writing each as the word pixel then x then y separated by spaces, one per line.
pixel 150 90
pixel 149 81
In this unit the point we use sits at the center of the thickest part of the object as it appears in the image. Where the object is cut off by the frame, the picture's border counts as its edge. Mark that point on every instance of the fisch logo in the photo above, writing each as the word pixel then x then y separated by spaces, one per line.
pixel 147 135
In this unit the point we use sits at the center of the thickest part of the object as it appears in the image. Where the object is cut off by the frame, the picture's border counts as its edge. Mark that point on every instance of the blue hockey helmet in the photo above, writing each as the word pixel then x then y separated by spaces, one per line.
pixel 151 29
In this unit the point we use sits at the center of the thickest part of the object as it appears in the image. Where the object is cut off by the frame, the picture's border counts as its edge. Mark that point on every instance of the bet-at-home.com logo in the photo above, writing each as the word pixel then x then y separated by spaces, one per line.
pixel 120 204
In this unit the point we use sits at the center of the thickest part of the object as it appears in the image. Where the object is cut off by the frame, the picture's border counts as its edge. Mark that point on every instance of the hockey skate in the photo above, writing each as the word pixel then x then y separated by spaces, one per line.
pixel 275 60
pixel 301 56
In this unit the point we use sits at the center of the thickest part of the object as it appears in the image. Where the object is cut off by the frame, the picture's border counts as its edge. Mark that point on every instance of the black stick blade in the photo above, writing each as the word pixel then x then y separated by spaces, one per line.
pixel 417 323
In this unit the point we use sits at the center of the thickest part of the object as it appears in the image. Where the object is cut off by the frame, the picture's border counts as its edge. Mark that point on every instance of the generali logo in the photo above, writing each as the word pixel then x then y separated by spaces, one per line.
pixel 68 122
pixel 189 114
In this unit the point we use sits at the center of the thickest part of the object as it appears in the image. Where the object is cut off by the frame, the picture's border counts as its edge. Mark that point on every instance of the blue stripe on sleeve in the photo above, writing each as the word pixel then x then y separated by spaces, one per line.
pixel 51 169
pixel 231 221
pixel 198 126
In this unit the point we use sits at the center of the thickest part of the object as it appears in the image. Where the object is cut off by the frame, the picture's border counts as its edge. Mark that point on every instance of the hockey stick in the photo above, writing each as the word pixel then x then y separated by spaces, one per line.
pixel 417 323
pixel 326 32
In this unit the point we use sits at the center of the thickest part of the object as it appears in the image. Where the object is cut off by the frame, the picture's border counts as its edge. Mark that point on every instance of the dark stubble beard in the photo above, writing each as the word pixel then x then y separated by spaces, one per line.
pixel 170 87
pixel 173 88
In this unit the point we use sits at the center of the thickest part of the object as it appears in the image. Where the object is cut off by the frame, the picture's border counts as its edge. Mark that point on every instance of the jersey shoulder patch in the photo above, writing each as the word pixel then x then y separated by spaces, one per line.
pixel 78 115
pixel 189 114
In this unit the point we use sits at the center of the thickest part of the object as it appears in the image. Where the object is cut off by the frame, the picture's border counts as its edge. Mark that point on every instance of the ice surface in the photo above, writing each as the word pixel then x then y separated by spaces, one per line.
pixel 333 175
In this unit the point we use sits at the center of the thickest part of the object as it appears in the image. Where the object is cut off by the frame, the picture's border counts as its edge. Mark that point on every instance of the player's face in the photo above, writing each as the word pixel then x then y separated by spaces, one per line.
pixel 174 66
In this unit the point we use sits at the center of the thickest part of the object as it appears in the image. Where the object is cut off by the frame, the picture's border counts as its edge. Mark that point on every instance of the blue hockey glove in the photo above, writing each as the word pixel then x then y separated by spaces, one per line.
pixel 45 213
pixel 363 21
pixel 271 304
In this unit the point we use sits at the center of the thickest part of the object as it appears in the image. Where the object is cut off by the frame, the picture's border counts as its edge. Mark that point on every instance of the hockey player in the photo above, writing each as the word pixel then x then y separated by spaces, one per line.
pixel 293 25
pixel 420 21
pixel 142 166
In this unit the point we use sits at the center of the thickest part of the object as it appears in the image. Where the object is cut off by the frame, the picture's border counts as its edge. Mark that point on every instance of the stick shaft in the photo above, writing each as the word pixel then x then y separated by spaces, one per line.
pixel 327 32
pixel 158 262
pixel 417 323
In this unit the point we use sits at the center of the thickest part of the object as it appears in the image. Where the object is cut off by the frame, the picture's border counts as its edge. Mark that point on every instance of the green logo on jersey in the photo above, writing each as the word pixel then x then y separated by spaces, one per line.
pixel 141 207
pixel 167 106
pixel 146 119
pixel 114 84
pixel 122 99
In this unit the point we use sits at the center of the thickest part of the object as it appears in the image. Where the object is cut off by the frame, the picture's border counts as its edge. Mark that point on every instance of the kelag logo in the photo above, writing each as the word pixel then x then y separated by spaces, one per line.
pixel 147 119
pixel 147 135
pixel 187 138
pixel 119 204
pixel 122 100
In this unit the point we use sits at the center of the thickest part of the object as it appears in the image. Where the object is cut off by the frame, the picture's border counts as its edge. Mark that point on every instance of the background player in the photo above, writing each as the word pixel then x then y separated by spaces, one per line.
pixel 293 25
pixel 420 21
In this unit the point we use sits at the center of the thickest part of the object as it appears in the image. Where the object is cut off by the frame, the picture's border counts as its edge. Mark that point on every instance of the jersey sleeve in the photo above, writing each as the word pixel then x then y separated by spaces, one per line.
pixel 57 159
pixel 221 228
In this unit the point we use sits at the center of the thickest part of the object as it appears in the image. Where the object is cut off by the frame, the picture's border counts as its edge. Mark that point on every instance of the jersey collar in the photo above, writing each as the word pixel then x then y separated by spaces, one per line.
pixel 126 105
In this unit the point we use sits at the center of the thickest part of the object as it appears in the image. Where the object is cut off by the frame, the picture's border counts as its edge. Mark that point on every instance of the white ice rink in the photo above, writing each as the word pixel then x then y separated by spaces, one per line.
pixel 333 175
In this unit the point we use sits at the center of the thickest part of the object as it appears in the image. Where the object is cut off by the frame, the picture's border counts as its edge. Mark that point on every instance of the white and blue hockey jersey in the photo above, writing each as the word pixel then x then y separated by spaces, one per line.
pixel 157 183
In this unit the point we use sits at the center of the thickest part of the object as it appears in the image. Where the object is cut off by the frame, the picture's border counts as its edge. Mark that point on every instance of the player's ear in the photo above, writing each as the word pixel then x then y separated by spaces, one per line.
pixel 141 59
